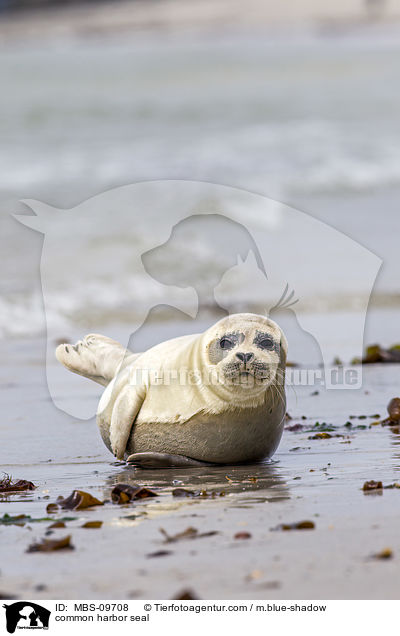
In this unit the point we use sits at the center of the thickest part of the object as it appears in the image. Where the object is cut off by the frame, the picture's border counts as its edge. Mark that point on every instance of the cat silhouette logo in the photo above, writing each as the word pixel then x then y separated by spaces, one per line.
pixel 26 615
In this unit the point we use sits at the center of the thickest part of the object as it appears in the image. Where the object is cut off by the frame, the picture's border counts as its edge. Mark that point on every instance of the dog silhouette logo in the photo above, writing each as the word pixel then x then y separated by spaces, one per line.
pixel 26 615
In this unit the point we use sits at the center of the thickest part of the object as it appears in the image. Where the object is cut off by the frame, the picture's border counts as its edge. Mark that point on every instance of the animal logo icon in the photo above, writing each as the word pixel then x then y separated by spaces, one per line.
pixel 26 615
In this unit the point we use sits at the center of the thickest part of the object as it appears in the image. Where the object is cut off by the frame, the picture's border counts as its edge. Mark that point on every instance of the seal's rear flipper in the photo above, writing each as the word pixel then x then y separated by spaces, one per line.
pixel 163 460
pixel 96 357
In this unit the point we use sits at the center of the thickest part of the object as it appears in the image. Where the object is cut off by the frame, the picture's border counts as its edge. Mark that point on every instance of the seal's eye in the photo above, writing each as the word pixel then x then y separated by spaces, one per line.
pixel 226 343
pixel 266 343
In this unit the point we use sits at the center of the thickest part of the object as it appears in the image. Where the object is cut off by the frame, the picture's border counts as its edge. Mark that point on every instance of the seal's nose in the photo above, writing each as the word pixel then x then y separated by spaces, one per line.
pixel 245 357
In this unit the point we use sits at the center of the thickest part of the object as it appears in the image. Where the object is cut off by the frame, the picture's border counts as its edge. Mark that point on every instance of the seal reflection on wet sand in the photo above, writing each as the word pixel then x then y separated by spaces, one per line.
pixel 216 397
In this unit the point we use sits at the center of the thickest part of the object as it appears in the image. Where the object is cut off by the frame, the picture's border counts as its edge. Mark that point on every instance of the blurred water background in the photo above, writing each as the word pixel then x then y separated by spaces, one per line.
pixel 303 111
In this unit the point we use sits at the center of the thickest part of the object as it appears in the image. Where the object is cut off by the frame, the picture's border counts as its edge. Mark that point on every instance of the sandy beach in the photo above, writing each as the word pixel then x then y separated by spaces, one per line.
pixel 318 480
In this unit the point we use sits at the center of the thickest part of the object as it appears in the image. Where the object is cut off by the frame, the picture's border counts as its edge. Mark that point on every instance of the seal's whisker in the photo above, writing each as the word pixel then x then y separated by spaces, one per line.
pixel 279 391
pixel 294 391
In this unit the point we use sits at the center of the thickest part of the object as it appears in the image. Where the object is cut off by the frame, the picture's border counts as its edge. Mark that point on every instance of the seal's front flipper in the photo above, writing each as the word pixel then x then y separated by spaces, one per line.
pixel 163 460
pixel 125 409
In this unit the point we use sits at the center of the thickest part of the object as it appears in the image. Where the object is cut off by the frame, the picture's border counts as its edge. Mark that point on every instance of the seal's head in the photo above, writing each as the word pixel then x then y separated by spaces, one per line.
pixel 247 352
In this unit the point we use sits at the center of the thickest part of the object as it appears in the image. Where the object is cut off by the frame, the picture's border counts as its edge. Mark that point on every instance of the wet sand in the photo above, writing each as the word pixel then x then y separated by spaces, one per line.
pixel 309 479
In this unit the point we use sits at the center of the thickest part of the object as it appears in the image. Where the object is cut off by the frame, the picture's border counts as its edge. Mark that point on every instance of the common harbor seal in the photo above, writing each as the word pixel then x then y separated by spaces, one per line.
pixel 217 397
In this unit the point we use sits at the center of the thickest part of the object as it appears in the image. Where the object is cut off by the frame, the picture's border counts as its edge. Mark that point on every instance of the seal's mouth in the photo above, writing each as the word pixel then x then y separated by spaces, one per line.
pixel 249 375
pixel 245 377
pixel 256 370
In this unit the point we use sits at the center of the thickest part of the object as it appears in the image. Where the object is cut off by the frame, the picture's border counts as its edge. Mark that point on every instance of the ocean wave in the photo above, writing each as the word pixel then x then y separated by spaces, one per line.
pixel 27 316
pixel 293 156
